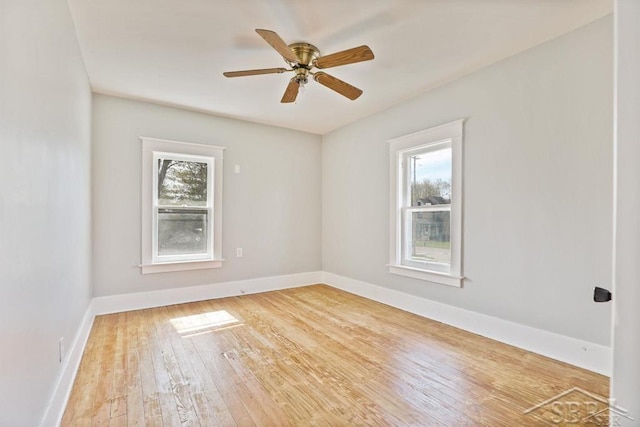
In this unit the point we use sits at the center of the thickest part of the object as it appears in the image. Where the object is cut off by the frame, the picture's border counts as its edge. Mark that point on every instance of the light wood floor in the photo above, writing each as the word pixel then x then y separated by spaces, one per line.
pixel 305 356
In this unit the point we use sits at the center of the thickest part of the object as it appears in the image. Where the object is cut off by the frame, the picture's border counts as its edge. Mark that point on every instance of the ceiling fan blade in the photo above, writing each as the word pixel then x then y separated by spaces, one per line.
pixel 349 56
pixel 278 44
pixel 291 92
pixel 343 88
pixel 254 72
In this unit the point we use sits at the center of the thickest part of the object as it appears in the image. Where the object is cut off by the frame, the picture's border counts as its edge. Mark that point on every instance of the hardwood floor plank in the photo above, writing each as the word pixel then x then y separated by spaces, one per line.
pixel 119 391
pixel 119 421
pixel 103 383
pixel 150 400
pixel 306 356
pixel 133 392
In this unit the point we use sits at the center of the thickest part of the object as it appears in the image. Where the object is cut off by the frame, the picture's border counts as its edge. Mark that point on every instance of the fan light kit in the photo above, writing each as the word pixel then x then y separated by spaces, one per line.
pixel 303 58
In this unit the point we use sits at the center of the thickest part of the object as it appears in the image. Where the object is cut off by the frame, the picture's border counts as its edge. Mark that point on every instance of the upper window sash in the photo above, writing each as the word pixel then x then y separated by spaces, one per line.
pixel 406 168
pixel 208 160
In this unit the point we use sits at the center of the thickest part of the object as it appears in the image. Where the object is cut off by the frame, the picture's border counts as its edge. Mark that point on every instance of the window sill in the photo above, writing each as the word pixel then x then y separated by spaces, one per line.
pixel 180 266
pixel 427 276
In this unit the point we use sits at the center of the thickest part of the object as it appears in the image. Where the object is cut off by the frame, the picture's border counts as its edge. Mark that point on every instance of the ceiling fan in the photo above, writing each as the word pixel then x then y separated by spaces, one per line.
pixel 303 58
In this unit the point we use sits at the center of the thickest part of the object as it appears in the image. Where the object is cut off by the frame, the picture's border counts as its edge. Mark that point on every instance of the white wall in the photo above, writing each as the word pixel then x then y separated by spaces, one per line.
pixel 537 176
pixel 272 209
pixel 625 379
pixel 45 112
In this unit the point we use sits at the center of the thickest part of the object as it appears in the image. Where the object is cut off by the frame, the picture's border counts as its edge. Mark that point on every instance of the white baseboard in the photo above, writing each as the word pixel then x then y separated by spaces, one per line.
pixel 585 354
pixel 141 300
pixel 55 410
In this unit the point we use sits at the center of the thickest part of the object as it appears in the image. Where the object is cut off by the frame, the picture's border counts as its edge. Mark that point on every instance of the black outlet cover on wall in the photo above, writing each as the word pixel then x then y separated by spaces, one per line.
pixel 601 295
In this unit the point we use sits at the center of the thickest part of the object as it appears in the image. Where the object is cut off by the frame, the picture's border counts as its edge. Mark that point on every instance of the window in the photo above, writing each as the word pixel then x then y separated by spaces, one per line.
pixel 426 198
pixel 182 206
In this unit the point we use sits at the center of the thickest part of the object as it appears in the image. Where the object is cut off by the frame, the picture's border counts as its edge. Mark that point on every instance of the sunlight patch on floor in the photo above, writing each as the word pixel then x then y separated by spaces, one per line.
pixel 204 322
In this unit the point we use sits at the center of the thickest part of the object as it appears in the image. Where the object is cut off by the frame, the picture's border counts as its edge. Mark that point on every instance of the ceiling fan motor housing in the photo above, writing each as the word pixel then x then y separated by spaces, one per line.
pixel 305 52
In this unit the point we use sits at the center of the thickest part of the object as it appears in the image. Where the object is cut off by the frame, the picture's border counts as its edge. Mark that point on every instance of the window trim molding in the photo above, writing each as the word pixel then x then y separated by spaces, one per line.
pixel 179 148
pixel 398 147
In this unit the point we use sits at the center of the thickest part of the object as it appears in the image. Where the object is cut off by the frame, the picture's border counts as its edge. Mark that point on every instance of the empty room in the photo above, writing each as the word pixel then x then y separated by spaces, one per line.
pixel 297 213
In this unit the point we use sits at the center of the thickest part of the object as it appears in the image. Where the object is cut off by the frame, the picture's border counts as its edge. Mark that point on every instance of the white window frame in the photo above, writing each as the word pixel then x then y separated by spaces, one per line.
pixel 208 208
pixel 448 134
pixel 152 150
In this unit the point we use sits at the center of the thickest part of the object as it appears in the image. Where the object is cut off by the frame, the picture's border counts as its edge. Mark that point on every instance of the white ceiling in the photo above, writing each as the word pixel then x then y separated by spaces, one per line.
pixel 174 51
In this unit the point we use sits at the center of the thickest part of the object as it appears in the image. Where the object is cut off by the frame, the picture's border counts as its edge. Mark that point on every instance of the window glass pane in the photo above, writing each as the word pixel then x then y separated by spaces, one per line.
pixel 182 183
pixel 429 237
pixel 182 232
pixel 430 177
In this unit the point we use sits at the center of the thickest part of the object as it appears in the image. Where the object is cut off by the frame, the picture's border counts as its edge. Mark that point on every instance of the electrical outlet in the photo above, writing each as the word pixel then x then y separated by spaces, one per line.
pixel 60 349
pixel 236 169
pixel 239 252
